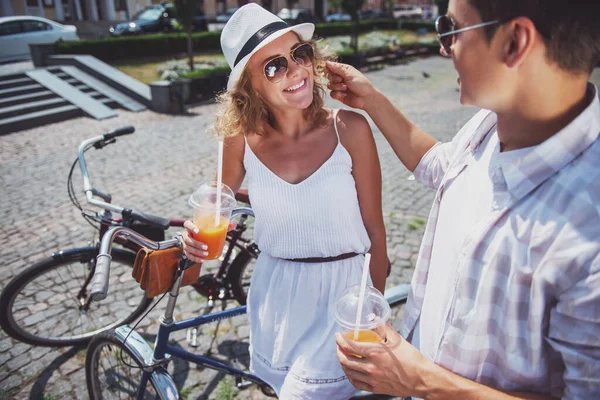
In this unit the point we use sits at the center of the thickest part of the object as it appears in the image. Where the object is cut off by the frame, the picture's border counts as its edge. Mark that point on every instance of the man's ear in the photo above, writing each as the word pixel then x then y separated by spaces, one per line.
pixel 520 36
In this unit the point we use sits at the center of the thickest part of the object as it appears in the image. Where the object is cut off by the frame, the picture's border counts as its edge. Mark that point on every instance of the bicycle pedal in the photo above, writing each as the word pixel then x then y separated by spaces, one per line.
pixel 242 383
pixel 192 337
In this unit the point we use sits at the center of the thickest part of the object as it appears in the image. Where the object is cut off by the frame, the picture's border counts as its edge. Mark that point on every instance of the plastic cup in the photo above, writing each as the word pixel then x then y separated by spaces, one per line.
pixel 204 201
pixel 375 313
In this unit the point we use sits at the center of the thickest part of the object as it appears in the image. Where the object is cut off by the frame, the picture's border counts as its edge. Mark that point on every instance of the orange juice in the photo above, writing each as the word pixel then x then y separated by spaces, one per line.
pixel 211 235
pixel 364 336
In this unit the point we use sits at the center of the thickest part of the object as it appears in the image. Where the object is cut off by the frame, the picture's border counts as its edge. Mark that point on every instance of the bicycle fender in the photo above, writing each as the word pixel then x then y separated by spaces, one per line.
pixel 163 382
pixel 83 252
pixel 397 293
pixel 61 255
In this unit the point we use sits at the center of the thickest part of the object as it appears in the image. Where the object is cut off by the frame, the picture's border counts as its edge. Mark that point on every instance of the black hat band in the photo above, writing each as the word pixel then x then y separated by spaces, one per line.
pixel 258 37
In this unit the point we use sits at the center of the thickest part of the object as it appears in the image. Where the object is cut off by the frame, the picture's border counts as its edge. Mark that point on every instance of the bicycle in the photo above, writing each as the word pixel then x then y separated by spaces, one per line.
pixel 48 304
pixel 144 373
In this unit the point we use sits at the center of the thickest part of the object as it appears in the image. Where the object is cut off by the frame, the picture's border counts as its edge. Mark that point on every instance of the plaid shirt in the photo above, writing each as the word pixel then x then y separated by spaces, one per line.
pixel 525 308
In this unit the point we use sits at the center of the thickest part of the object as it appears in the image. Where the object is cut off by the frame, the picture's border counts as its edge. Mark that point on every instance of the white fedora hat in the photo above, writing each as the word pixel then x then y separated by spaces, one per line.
pixel 249 29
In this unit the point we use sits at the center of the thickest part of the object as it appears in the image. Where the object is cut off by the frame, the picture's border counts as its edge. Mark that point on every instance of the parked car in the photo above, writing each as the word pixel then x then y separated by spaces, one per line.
pixel 407 12
pixel 373 14
pixel 151 19
pixel 296 16
pixel 224 17
pixel 16 33
pixel 338 17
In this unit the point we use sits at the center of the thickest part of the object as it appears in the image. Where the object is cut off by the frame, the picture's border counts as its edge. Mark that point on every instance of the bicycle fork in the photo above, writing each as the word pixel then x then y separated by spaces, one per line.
pixel 155 361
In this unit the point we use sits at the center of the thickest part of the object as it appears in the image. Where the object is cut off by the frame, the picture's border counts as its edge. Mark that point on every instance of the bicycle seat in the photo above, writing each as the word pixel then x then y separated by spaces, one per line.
pixel 163 223
pixel 242 195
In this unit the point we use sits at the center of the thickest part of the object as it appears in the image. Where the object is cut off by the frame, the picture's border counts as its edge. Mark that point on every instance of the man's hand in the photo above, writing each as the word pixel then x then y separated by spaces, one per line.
pixel 394 367
pixel 349 85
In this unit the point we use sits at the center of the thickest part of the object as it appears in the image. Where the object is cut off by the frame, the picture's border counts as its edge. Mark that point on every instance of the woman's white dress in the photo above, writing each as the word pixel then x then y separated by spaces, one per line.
pixel 290 304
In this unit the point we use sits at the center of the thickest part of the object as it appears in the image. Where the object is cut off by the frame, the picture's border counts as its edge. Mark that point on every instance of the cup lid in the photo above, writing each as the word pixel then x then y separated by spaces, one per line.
pixel 205 196
pixel 376 310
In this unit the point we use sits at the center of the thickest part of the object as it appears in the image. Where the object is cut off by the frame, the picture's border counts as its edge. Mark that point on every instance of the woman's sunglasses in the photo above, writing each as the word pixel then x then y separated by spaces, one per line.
pixel 446 29
pixel 276 68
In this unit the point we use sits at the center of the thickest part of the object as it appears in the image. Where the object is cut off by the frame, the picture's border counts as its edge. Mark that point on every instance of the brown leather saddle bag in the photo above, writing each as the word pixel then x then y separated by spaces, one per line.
pixel 156 270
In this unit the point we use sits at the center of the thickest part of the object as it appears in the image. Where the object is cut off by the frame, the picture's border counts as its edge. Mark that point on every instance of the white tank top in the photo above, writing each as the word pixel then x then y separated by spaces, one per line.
pixel 317 217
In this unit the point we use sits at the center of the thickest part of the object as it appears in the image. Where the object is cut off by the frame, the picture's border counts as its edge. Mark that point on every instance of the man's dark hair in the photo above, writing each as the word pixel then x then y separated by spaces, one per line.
pixel 571 28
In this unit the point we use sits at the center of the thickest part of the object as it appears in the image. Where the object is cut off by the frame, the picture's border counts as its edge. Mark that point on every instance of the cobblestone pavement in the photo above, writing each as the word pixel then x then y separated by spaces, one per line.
pixel 154 170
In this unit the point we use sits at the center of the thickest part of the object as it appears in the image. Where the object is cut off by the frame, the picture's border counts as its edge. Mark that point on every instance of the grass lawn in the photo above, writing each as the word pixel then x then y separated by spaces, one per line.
pixel 146 70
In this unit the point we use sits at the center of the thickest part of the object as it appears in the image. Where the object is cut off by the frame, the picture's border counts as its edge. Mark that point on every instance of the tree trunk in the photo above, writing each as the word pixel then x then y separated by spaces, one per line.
pixel 189 48
pixel 354 38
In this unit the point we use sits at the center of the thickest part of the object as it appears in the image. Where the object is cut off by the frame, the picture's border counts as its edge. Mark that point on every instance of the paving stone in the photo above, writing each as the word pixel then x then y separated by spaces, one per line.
pixel 17 362
pixel 12 381
pixel 5 344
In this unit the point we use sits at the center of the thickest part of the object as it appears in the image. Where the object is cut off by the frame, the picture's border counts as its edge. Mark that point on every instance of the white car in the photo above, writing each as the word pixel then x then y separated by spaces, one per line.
pixel 407 12
pixel 16 33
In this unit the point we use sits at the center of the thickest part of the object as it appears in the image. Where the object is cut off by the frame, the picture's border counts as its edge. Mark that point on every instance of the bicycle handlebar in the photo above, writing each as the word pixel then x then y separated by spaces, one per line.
pixel 125 130
pixel 100 281
pixel 99 288
pixel 88 189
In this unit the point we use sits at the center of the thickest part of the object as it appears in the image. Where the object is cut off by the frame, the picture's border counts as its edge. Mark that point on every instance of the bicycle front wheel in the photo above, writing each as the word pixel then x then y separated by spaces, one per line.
pixel 112 371
pixel 47 304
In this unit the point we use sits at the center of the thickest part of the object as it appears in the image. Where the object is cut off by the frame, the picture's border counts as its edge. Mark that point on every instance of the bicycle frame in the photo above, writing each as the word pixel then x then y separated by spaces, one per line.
pixel 154 360
pixel 164 351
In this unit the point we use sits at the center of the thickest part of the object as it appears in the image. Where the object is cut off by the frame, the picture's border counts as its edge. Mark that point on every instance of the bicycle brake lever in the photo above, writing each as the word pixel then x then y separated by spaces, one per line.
pixel 99 145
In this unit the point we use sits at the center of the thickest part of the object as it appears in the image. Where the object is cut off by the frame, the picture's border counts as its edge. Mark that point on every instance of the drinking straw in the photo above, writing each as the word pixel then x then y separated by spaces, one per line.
pixel 361 296
pixel 219 180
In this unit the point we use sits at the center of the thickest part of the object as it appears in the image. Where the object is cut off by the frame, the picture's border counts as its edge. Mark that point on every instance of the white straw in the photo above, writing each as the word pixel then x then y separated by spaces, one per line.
pixel 219 183
pixel 361 296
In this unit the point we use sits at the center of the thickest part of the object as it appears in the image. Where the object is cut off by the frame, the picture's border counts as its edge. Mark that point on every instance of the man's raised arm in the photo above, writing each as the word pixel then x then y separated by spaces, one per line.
pixel 352 88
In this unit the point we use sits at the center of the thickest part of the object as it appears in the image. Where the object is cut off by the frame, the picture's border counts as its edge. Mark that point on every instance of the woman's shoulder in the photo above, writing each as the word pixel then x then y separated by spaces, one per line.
pixel 351 125
pixel 235 145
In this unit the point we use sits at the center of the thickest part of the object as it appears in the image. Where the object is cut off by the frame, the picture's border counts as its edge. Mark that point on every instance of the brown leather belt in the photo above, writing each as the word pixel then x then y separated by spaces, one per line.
pixel 322 259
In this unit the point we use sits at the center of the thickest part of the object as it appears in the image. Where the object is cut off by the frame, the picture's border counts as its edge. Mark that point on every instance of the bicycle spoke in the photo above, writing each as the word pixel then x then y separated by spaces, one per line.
pixel 51 287
pixel 115 373
pixel 65 284
pixel 91 317
pixel 44 305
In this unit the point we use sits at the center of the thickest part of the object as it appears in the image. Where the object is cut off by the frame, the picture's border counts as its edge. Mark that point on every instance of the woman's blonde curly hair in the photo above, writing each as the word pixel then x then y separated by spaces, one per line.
pixel 244 111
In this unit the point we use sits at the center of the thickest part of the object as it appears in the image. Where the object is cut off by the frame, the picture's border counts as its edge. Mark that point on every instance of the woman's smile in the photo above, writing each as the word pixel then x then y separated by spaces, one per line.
pixel 296 87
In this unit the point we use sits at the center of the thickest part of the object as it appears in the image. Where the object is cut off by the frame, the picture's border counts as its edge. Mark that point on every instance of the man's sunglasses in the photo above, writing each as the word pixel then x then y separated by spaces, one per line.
pixel 276 68
pixel 446 29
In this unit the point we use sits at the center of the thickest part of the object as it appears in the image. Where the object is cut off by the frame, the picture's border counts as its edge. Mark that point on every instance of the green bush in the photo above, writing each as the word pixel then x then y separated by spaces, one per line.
pixel 413 25
pixel 206 72
pixel 168 44
pixel 128 47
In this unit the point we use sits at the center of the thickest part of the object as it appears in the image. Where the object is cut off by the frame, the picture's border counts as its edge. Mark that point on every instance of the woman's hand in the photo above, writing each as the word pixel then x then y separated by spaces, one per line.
pixel 194 250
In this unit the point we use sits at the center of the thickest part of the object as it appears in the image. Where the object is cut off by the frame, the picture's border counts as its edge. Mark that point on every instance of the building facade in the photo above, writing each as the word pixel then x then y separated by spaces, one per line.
pixel 74 10
pixel 114 10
